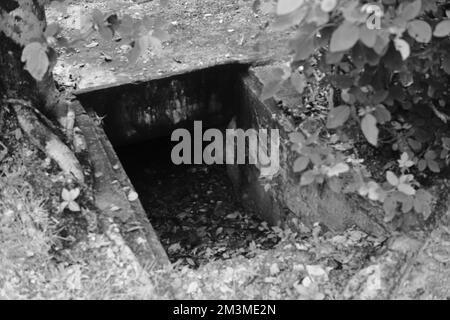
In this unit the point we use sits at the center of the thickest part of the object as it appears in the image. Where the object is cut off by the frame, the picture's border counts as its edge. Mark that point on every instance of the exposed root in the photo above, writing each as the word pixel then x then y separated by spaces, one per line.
pixel 46 140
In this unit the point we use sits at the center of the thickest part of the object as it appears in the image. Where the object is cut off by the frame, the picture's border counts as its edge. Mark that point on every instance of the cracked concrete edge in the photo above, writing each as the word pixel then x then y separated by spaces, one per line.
pixel 111 185
pixel 250 61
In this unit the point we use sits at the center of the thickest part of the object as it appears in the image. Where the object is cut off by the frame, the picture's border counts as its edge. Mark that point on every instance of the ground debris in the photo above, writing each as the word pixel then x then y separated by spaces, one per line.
pixel 298 267
pixel 193 208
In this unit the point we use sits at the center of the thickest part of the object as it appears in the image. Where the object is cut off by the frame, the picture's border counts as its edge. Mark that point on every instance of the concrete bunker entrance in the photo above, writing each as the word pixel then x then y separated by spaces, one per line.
pixel 195 209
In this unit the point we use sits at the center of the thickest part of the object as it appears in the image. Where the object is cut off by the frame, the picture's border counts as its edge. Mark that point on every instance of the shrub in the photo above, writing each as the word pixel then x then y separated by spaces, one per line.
pixel 390 61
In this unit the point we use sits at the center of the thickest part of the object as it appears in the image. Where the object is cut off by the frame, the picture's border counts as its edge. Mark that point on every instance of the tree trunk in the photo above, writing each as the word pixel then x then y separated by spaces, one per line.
pixel 17 28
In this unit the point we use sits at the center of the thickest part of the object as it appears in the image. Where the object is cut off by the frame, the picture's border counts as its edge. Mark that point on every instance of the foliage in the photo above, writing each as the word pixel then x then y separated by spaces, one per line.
pixel 36 61
pixel 69 198
pixel 390 61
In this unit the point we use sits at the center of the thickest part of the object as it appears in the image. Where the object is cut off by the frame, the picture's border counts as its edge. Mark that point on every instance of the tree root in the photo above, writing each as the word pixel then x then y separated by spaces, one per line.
pixel 48 142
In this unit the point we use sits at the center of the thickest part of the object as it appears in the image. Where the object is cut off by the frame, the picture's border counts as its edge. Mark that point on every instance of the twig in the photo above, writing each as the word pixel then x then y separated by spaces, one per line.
pixel 442 116
pixel 331 99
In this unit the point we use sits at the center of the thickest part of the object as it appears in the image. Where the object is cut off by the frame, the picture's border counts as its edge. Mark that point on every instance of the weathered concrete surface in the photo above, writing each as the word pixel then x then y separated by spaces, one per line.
pixel 112 190
pixel 141 111
pixel 312 203
pixel 203 33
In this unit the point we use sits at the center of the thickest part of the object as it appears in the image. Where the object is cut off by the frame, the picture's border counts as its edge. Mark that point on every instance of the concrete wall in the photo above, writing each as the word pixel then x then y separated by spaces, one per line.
pixel 141 111
pixel 285 197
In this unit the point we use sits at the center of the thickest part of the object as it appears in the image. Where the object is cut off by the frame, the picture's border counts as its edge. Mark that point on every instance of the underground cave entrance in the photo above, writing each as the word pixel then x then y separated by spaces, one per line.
pixel 193 208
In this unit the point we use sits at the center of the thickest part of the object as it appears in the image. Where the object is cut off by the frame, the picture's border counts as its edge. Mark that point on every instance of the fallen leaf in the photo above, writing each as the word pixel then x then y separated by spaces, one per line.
pixel 133 196
pixel 274 269
pixel 92 44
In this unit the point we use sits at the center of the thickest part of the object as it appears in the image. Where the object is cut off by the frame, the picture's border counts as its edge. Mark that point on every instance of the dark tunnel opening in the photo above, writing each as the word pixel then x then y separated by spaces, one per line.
pixel 194 209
